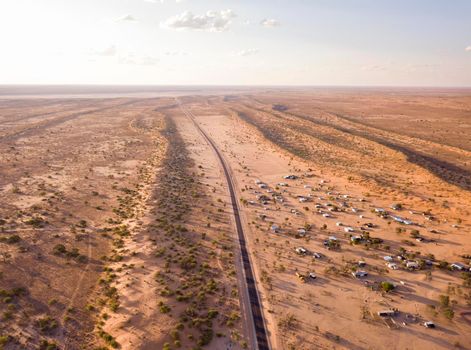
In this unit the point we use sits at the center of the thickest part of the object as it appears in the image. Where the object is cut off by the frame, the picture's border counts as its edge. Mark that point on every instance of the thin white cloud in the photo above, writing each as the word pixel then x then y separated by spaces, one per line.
pixel 374 67
pixel 131 58
pixel 176 53
pixel 126 18
pixel 270 23
pixel 107 52
pixel 468 48
pixel 211 21
pixel 248 52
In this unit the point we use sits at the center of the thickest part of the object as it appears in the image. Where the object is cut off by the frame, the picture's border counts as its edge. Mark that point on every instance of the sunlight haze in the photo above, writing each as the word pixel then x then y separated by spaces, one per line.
pixel 280 42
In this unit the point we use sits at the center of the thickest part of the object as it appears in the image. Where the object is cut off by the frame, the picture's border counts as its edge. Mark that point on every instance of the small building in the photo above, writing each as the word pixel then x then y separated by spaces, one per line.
pixel 429 324
pixel 361 263
pixel 349 229
pixel 388 258
pixel 275 228
pixel 387 313
pixel 359 274
pixel 302 199
pixel 413 265
pixel 301 232
pixel 392 266
pixel 356 239
pixel 301 251
pixel 458 266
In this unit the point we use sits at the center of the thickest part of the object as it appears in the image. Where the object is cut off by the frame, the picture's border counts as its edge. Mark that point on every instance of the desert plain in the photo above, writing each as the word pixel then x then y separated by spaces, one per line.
pixel 118 228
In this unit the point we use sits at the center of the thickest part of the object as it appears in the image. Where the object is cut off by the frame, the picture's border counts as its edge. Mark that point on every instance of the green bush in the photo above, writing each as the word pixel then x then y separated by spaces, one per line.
pixel 387 286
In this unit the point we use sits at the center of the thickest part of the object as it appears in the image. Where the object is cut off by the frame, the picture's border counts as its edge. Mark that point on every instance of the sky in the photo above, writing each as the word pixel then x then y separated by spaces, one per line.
pixel 237 42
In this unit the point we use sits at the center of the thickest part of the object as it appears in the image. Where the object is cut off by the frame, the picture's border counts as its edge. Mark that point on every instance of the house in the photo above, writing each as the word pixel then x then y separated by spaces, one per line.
pixel 258 182
pixel 275 228
pixel 326 215
pixel 301 232
pixel 332 238
pixel 356 239
pixel 290 177
pixel 338 224
pixel 392 266
pixel 429 324
pixel 283 184
pixel 387 313
pixel 263 198
pixel 301 251
pixel 412 265
pixel 361 263
pixel 388 258
pixel 379 210
pixel 401 220
pixel 316 255
pixel 262 185
pixel 457 266
pixel 348 229
pixel 302 199
pixel 359 274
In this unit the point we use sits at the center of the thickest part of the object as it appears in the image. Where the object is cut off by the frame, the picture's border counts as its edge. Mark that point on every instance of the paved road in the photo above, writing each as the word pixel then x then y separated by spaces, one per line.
pixel 255 304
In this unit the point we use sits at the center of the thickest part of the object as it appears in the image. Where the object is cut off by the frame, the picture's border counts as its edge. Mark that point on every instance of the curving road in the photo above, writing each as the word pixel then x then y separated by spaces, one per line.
pixel 261 338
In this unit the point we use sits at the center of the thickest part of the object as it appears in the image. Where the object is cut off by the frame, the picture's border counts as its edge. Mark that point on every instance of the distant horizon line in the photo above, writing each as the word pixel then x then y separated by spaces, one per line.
pixel 232 85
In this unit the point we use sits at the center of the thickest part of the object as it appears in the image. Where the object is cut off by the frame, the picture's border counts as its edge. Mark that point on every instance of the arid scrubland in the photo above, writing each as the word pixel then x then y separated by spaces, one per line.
pixel 374 219
pixel 117 231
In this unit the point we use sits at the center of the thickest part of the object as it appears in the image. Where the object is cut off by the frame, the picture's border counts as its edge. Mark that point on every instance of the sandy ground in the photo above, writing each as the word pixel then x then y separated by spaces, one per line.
pixel 333 310
pixel 62 164
pixel 116 228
